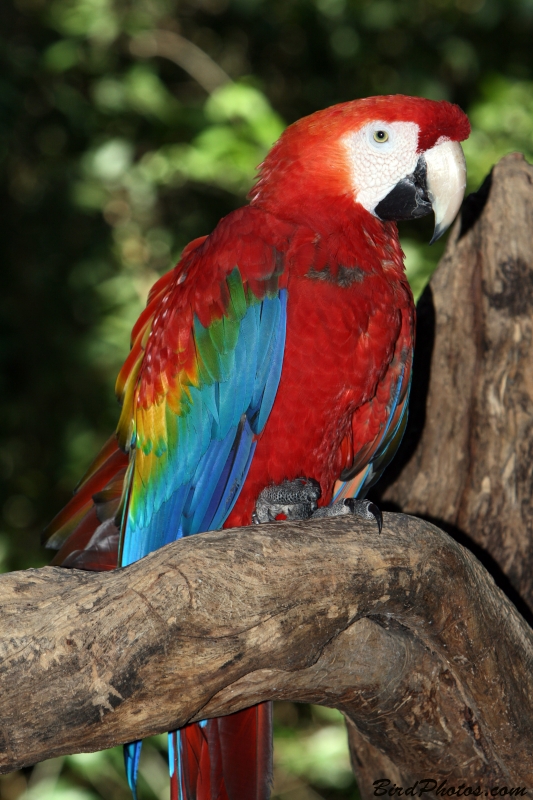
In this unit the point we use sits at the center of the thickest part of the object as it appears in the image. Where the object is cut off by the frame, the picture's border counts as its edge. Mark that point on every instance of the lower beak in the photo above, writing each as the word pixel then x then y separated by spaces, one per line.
pixel 446 181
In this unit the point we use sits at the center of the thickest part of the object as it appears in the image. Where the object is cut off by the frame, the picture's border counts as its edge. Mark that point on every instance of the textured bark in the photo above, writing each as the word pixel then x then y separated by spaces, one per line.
pixel 467 460
pixel 405 632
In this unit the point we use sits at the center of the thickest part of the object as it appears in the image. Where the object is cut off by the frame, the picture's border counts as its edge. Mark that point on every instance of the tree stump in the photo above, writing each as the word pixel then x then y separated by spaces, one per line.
pixel 467 459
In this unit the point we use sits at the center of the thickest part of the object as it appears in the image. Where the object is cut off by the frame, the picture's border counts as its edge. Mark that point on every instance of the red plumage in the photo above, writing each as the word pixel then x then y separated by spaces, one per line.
pixel 228 758
pixel 348 350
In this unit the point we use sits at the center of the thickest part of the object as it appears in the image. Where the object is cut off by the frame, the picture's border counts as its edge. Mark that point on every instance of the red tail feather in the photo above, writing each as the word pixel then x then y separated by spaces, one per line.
pixel 85 532
pixel 229 758
pixel 99 553
pixel 110 466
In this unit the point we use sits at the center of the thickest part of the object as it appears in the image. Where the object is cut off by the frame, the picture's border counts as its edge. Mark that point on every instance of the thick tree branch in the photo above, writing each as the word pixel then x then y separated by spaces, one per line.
pixel 405 632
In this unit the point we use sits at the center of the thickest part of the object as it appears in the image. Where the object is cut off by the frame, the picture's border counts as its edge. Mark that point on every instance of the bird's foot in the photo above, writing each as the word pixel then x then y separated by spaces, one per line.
pixel 357 508
pixel 297 499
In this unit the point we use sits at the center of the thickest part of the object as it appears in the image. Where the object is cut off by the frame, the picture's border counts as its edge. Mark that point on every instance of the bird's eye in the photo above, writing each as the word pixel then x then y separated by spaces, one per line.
pixel 381 136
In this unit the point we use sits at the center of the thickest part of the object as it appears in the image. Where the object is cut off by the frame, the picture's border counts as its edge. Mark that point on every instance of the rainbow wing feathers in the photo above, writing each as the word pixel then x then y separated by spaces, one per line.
pixel 192 431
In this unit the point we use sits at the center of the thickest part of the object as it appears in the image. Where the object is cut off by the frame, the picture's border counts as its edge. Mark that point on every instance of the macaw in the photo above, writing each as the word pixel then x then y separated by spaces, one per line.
pixel 270 371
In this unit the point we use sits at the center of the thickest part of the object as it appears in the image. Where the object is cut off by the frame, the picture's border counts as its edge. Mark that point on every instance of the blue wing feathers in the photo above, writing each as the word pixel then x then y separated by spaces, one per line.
pixel 267 334
pixel 233 478
pixel 207 395
pixel 273 373
pixel 132 753
pixel 210 471
pixel 228 404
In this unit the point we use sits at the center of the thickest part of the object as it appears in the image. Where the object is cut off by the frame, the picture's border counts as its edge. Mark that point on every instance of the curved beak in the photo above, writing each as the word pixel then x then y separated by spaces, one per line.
pixel 445 181
pixel 436 185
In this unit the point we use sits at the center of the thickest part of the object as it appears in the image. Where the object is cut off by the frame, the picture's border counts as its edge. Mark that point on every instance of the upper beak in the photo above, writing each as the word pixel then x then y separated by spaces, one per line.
pixel 446 181
pixel 437 184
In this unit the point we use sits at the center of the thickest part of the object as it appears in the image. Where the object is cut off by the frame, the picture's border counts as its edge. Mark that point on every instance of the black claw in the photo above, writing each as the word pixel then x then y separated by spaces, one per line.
pixel 365 509
pixel 378 516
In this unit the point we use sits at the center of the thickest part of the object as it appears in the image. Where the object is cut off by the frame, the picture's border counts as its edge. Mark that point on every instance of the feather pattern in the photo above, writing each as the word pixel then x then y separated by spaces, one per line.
pixel 369 463
pixel 227 758
pixel 193 446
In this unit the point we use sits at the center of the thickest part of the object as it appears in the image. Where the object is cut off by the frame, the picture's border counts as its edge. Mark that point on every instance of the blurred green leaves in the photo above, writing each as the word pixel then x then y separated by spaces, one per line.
pixel 502 122
pixel 311 750
pixel 61 55
pixel 139 91
pixel 240 128
pixel 94 19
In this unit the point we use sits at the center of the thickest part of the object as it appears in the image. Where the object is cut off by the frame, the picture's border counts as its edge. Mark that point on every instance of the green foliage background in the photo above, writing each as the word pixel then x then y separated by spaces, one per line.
pixel 129 127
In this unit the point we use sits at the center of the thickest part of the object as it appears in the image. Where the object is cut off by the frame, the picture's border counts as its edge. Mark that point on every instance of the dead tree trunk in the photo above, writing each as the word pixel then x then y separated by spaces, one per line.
pixel 470 467
pixel 405 632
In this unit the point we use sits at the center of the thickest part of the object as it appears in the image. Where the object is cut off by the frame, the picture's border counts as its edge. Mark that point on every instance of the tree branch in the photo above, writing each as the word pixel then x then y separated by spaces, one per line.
pixel 432 669
pixel 182 52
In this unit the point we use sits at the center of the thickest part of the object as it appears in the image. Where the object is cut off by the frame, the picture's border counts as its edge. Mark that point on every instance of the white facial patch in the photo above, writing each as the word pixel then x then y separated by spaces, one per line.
pixel 380 155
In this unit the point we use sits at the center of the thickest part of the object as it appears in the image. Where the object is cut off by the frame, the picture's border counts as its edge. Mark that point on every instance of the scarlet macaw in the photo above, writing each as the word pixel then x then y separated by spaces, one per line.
pixel 278 349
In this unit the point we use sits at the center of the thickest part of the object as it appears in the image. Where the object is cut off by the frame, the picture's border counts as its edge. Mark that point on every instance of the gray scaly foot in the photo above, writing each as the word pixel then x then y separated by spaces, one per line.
pixel 358 508
pixel 297 499
pixel 289 500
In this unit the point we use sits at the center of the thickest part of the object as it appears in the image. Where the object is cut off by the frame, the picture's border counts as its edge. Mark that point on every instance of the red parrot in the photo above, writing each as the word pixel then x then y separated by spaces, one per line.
pixel 270 371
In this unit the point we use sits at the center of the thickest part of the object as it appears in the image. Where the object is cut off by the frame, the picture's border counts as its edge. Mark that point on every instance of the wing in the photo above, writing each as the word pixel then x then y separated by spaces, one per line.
pixel 197 391
pixel 387 415
pixel 86 530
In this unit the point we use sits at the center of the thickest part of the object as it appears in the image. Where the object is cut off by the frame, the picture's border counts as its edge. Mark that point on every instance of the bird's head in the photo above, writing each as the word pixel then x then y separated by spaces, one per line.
pixel 396 157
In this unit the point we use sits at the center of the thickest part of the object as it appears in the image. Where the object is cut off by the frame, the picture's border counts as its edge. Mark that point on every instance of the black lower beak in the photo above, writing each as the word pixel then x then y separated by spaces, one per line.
pixel 409 199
